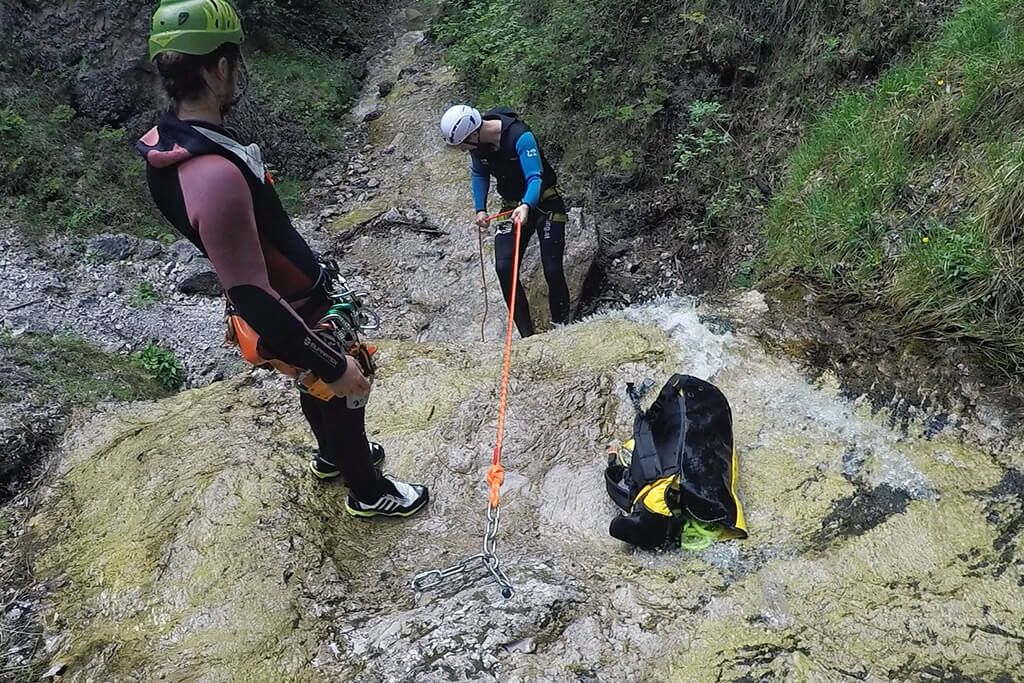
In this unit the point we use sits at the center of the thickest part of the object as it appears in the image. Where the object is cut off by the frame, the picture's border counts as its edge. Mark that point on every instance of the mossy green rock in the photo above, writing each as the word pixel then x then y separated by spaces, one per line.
pixel 183 539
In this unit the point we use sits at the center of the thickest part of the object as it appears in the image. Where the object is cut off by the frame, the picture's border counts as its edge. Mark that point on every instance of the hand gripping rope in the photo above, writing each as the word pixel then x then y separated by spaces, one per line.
pixel 434 578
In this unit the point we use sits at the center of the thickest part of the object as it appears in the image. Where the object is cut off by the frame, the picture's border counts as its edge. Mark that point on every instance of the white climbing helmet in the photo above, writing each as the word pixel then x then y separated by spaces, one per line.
pixel 458 122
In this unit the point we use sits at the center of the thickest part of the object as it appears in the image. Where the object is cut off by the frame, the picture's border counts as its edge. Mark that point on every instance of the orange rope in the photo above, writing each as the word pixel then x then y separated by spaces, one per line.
pixel 499 215
pixel 496 475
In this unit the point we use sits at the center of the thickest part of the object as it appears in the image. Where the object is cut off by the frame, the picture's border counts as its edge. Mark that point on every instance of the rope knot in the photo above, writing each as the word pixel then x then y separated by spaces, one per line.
pixel 495 477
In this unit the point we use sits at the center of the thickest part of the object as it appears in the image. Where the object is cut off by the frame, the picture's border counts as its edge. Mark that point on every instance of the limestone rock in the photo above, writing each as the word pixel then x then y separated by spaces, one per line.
pixel 185 541
pixel 182 251
pixel 204 282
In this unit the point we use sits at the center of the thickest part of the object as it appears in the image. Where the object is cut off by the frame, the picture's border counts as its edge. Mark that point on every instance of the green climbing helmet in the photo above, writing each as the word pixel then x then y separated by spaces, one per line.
pixel 194 27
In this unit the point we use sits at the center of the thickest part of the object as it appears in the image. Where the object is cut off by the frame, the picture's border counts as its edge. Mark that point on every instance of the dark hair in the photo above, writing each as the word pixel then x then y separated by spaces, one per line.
pixel 181 74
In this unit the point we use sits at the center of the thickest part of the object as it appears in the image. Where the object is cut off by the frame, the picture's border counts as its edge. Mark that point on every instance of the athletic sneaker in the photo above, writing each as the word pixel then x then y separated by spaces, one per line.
pixel 397 499
pixel 323 470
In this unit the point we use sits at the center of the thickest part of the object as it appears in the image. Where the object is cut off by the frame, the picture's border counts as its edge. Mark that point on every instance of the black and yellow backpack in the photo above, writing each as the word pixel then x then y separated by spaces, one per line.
pixel 675 480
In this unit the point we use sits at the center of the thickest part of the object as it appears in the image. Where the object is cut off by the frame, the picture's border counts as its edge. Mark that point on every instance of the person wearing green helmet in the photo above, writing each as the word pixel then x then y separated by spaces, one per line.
pixel 194 27
pixel 217 193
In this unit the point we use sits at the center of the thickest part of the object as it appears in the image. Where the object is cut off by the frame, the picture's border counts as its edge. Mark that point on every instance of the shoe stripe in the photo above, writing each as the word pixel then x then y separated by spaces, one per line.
pixel 409 500
pixel 370 513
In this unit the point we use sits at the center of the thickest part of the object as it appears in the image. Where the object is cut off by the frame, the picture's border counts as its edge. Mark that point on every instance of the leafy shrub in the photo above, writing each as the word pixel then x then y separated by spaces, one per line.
pixel 705 133
pixel 162 365
pixel 58 173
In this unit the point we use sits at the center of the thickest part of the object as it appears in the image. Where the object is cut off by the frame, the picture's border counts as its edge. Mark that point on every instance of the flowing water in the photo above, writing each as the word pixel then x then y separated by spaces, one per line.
pixel 185 542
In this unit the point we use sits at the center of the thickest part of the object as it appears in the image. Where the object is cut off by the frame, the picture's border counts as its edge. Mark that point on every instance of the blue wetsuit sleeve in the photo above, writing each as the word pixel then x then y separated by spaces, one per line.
pixel 481 182
pixel 529 159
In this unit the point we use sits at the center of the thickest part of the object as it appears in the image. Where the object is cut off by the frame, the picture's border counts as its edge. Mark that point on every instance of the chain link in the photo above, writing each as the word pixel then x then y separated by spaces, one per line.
pixel 435 578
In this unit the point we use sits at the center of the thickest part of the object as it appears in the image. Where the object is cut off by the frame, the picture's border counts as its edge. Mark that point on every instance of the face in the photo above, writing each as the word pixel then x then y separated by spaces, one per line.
pixel 471 142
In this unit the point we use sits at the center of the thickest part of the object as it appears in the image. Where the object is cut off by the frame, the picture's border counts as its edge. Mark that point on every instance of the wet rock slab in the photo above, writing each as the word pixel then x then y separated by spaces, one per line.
pixel 185 540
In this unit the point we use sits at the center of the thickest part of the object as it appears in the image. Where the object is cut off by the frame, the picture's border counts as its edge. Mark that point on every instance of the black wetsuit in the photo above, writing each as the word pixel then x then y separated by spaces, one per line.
pixel 216 192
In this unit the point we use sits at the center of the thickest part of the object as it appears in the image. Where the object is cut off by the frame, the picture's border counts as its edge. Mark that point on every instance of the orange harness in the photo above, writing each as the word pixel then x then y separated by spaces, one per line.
pixel 241 334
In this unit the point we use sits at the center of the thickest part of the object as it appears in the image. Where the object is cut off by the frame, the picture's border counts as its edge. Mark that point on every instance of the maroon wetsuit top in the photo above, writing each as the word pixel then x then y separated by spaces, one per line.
pixel 217 193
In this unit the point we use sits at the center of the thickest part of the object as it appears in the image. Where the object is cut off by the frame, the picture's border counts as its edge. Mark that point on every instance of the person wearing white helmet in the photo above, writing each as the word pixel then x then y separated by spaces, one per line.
pixel 501 145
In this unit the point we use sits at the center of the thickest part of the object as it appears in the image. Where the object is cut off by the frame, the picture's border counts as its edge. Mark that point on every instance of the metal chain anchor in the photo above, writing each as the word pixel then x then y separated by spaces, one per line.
pixel 435 578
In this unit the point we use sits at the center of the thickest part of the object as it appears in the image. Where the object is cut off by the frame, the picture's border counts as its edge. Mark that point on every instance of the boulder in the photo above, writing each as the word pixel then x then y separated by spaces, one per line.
pixel 204 282
pixel 112 247
pixel 580 250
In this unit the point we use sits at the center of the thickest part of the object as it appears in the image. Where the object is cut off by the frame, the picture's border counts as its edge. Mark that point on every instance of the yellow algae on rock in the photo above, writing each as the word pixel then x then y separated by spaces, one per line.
pixel 185 540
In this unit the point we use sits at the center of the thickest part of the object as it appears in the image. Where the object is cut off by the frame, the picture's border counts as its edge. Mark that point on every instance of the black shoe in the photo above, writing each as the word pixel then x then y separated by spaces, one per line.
pixel 397 499
pixel 323 470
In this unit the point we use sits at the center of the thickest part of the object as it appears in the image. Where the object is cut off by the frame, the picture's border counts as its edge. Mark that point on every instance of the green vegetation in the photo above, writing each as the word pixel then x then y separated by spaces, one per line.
pixel 689 106
pixel 161 365
pixel 566 59
pixel 297 49
pixel 64 368
pixel 144 295
pixel 912 195
pixel 704 135
pixel 290 190
pixel 321 25
pixel 60 173
pixel 906 192
pixel 721 213
pixel 602 82
pixel 603 78
pixel 311 89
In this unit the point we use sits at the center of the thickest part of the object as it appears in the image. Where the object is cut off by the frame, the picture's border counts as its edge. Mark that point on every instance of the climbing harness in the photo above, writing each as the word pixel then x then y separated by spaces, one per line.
pixel 339 328
pixel 347 316
pixel 434 578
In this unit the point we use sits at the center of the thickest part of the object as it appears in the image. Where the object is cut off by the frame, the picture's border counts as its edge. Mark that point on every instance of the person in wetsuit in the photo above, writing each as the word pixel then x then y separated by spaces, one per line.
pixel 501 145
pixel 217 193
